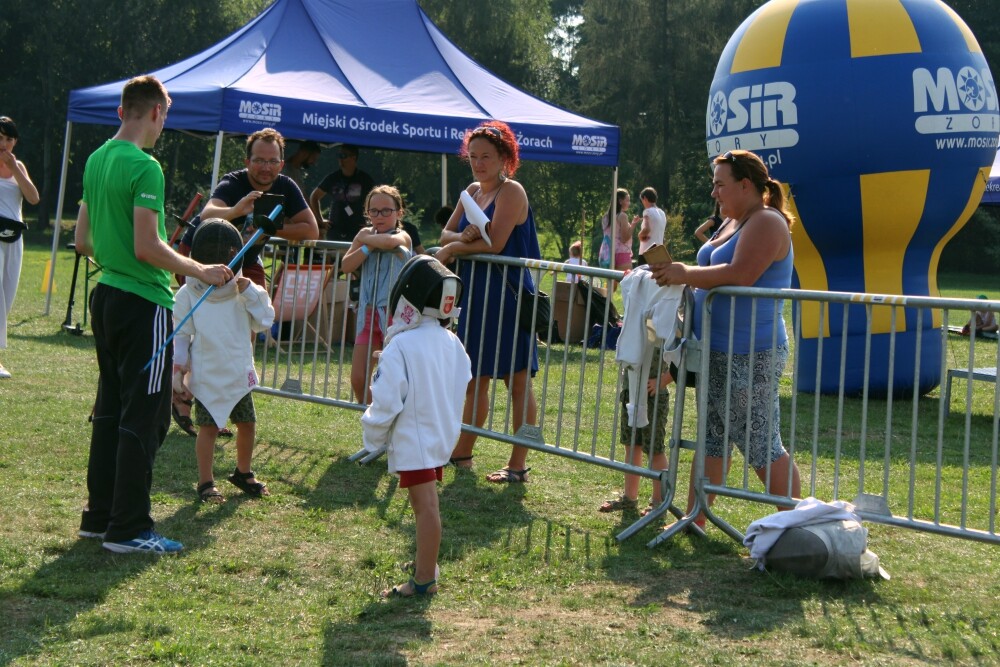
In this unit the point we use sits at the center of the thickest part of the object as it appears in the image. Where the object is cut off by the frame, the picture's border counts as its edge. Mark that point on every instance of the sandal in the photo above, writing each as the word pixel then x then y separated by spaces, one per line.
pixel 253 489
pixel 410 568
pixel 649 508
pixel 620 503
pixel 415 589
pixel 461 459
pixel 508 476
pixel 183 421
pixel 207 493
pixel 225 433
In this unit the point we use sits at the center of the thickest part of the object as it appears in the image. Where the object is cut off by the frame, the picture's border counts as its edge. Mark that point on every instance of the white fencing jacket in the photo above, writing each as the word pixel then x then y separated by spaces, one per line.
pixel 218 334
pixel 650 314
pixel 418 393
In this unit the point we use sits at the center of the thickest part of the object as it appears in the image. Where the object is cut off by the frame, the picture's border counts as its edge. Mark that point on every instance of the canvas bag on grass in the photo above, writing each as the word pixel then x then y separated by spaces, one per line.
pixel 816 540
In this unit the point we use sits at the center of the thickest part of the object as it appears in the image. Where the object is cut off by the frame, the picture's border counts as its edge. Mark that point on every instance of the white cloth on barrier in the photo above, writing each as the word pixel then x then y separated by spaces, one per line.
pixel 646 303
pixel 763 533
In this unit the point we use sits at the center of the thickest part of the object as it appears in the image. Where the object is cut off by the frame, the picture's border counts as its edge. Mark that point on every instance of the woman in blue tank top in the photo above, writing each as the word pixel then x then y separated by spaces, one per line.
pixel 496 347
pixel 752 248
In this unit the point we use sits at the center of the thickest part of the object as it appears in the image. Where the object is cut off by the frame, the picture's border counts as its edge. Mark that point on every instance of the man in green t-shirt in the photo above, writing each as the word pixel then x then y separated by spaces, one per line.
pixel 121 226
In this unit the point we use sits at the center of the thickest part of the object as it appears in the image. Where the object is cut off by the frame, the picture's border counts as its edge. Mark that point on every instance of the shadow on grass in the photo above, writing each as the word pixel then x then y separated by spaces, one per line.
pixel 79 578
pixel 378 633
pixel 58 337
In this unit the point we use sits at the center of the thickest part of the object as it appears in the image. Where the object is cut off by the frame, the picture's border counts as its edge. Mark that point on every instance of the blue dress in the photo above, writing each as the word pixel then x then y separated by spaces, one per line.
pixel 483 288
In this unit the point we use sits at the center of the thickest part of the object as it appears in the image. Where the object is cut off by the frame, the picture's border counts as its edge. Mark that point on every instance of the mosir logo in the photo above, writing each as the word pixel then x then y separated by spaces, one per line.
pixel 755 117
pixel 951 102
pixel 260 112
pixel 591 144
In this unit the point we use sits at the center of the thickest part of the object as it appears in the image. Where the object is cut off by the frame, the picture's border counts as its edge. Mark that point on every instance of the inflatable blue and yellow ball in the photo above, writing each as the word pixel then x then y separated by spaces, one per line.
pixel 881 116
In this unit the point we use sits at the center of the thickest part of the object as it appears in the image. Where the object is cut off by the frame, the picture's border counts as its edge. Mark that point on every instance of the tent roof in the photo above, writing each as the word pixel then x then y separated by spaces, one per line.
pixel 992 194
pixel 307 68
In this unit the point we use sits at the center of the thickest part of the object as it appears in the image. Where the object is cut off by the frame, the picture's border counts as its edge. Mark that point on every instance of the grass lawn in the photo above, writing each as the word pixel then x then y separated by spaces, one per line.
pixel 529 574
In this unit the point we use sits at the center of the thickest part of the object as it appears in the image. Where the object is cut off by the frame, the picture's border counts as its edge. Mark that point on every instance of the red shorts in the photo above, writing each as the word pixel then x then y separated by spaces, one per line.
pixel 372 330
pixel 408 478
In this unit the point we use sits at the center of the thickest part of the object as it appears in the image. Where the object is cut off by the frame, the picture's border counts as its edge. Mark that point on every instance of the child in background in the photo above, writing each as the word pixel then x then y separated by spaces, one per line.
pixel 418 394
pixel 654 223
pixel 214 347
pixel 380 251
pixel 575 258
pixel 984 321
pixel 657 406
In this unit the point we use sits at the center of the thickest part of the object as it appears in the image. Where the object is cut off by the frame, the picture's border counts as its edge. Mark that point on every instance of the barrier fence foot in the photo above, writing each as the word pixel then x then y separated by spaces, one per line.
pixel 651 517
pixel 685 523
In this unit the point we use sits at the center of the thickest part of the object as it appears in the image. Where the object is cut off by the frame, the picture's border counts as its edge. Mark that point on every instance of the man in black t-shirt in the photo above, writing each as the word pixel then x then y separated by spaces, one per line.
pixel 233 198
pixel 348 187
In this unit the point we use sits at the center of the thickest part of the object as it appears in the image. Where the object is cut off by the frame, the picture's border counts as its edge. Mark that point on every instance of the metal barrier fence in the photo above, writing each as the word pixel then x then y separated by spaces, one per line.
pixel 309 359
pixel 847 441
pixel 888 445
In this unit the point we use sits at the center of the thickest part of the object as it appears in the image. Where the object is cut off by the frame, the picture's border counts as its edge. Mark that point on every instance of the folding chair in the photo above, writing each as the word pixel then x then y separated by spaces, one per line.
pixel 297 292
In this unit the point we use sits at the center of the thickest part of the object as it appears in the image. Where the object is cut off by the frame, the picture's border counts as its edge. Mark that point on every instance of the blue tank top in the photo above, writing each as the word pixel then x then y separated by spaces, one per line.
pixel 768 313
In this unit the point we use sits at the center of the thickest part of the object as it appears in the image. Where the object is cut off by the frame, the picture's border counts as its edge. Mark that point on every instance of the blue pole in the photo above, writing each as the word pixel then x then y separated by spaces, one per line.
pixel 236 260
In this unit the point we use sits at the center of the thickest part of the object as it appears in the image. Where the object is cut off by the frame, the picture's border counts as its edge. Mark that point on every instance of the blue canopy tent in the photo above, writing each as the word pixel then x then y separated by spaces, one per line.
pixel 307 69
pixel 992 194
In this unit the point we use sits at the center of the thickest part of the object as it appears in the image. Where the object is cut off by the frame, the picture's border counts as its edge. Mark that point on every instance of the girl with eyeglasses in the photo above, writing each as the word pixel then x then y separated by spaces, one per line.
pixel 379 250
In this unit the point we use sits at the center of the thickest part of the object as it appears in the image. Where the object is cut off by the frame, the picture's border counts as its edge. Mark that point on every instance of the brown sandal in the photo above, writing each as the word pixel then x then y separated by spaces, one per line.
pixel 508 476
pixel 620 503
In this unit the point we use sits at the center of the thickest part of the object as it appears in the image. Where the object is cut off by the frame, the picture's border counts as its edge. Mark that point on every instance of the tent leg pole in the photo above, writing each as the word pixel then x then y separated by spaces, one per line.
pixel 444 179
pixel 217 161
pixel 613 241
pixel 57 226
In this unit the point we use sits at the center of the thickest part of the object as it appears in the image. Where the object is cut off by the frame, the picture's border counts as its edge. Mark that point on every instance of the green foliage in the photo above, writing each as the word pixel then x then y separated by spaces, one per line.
pixel 644 65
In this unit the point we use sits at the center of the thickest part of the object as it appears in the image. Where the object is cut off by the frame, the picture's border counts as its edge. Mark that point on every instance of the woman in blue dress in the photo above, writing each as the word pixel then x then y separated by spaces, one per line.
pixel 487 325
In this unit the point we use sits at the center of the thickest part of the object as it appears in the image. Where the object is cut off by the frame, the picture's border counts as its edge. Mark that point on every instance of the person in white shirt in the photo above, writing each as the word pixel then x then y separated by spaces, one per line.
pixel 418 394
pixel 576 259
pixel 654 223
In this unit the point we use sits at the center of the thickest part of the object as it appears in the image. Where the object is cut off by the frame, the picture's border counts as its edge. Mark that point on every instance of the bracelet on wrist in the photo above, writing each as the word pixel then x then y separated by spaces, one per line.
pixel 365 251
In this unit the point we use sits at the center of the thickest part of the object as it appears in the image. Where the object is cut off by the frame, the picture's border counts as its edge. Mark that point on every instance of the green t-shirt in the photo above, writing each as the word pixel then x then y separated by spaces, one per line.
pixel 118 177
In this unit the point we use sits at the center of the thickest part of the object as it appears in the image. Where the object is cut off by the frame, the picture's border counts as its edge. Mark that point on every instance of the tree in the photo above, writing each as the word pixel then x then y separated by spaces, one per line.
pixel 53 47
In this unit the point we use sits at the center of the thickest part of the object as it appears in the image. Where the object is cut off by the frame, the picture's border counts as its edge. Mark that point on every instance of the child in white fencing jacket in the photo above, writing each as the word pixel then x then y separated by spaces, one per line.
pixel 418 393
pixel 214 346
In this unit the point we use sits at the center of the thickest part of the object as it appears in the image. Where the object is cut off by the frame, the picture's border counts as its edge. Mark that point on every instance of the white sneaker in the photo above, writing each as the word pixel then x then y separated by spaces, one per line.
pixel 4 373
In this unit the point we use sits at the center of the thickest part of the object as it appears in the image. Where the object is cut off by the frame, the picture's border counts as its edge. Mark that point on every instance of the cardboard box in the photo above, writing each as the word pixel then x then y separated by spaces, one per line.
pixel 571 320
pixel 335 297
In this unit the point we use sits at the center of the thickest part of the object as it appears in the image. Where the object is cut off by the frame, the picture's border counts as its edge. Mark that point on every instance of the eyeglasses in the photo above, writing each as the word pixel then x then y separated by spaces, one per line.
pixel 261 162
pixel 384 212
pixel 738 167
pixel 344 156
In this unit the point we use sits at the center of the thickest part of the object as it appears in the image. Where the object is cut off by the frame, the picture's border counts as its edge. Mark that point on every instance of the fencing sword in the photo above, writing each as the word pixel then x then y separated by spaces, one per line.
pixel 265 224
